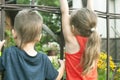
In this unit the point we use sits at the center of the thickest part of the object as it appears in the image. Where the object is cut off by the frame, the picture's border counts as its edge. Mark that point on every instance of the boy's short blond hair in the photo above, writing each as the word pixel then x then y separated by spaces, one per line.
pixel 28 25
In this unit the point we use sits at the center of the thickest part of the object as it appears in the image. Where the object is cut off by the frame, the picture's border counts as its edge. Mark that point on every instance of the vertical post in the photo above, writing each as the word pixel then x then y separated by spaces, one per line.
pixel 108 38
pixel 2 24
pixel 2 28
pixel 116 49
pixel 61 42
pixel 30 2
pixel 84 3
pixel 33 2
pixel 61 46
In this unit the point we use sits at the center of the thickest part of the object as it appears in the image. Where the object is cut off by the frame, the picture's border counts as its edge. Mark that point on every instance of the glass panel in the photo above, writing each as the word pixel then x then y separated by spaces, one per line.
pixel 101 27
pixel 100 5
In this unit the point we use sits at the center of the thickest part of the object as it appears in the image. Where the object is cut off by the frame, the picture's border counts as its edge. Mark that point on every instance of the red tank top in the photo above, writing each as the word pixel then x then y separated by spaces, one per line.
pixel 73 69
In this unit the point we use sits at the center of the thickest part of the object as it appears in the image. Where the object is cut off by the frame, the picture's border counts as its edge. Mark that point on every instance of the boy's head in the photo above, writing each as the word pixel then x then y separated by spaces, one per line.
pixel 83 20
pixel 27 26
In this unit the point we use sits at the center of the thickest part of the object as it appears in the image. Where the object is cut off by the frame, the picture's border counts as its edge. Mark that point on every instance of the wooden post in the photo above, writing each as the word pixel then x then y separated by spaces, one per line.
pixel 2 21
pixel 2 27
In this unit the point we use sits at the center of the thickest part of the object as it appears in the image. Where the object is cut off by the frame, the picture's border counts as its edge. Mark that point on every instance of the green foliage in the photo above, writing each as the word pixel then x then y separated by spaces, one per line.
pixel 55 63
pixel 102 74
pixel 41 2
pixel 23 1
pixel 9 39
pixel 48 2
pixel 50 19
pixel 117 72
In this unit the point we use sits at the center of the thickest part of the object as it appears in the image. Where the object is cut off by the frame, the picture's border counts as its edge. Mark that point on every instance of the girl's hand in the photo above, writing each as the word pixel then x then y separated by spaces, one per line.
pixel 1 44
pixel 61 62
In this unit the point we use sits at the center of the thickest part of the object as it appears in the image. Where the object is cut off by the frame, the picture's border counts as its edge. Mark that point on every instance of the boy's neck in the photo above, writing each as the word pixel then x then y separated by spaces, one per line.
pixel 29 49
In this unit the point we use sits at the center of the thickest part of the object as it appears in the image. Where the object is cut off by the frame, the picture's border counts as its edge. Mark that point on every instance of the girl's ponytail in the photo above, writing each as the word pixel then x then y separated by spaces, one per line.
pixel 92 51
pixel 85 22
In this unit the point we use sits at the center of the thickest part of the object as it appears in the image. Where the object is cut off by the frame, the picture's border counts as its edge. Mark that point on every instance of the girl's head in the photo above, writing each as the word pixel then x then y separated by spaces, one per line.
pixel 84 22
pixel 27 27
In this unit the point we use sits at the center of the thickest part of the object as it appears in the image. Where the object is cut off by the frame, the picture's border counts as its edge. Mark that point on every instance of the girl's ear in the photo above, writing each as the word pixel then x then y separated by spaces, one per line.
pixel 14 34
pixel 74 30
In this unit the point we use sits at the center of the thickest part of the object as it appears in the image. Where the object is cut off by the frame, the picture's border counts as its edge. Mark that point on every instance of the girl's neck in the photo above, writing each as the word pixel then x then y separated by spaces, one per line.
pixel 29 49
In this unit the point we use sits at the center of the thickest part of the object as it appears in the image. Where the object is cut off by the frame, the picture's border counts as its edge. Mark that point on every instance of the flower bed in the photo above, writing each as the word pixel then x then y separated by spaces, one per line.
pixel 114 72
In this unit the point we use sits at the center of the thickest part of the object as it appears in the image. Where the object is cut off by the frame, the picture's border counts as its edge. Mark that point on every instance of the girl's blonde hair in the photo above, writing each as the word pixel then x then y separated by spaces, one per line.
pixel 28 25
pixel 85 22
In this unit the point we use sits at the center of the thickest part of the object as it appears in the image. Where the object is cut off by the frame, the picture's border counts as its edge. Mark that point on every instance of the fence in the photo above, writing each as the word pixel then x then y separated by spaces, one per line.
pixel 106 15
pixel 114 48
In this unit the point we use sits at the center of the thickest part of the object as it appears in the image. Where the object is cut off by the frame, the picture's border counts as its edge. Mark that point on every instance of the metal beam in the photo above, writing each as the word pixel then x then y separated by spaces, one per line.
pixel 108 39
pixel 84 3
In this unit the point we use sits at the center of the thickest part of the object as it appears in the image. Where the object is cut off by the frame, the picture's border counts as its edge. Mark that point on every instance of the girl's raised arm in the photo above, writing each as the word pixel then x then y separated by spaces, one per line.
pixel 65 20
pixel 90 5
pixel 64 7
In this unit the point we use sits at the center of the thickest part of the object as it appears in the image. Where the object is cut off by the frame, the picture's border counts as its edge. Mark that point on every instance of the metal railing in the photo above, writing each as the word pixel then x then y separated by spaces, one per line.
pixel 56 10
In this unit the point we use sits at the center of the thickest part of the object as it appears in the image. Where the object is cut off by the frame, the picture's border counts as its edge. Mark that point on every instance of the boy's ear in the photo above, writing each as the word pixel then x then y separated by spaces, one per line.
pixel 14 34
pixel 39 38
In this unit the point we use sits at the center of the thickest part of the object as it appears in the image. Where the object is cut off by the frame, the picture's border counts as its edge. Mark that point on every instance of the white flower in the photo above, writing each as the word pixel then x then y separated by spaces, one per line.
pixel 51 46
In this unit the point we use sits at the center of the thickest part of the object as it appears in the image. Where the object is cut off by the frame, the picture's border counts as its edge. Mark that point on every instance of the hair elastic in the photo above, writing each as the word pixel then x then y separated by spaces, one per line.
pixel 92 29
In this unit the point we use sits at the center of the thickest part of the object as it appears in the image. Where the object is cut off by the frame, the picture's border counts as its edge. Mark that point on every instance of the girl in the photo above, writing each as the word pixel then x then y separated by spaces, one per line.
pixel 23 62
pixel 82 42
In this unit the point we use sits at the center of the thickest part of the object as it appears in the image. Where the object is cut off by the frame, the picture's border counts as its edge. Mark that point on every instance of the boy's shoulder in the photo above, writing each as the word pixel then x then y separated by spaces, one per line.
pixel 10 49
pixel 13 50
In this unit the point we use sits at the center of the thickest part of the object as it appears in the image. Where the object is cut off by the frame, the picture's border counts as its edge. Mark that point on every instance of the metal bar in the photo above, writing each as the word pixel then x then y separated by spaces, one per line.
pixel 102 17
pixel 61 40
pixel 2 22
pixel 84 3
pixel 49 8
pixel 57 12
pixel 2 29
pixel 115 26
pixel 107 13
pixel 27 5
pixel 108 39
pixel 33 2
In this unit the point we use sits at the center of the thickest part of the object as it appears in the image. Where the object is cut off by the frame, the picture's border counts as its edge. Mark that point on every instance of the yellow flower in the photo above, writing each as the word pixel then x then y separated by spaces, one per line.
pixel 112 65
pixel 103 56
pixel 102 64
pixel 110 57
